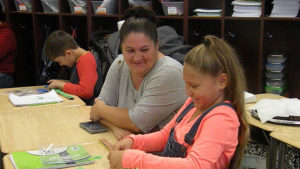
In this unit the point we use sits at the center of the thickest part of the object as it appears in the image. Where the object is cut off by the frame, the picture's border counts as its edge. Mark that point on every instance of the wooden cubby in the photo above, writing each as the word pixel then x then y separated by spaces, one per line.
pixel 253 38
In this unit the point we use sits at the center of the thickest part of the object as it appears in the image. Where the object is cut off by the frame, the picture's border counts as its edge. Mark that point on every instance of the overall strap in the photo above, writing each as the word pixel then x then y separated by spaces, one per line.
pixel 184 112
pixel 189 137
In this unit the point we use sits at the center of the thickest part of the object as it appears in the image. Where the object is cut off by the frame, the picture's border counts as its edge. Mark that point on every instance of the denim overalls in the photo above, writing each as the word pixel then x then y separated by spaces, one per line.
pixel 173 148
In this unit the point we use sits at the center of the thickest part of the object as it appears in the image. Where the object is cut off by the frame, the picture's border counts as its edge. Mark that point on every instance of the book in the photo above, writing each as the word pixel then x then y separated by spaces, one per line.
pixel 208 12
pixel 35 99
pixel 51 158
pixel 27 92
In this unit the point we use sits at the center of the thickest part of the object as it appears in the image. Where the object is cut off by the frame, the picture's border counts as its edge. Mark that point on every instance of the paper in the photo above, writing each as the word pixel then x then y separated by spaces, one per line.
pixel 249 97
pixel 267 109
pixel 58 158
pixel 285 8
pixel 50 97
pixel 246 9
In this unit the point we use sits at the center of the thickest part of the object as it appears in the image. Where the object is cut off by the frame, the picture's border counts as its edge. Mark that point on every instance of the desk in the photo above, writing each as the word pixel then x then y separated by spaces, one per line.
pixel 279 142
pixel 30 129
pixel 6 105
pixel 275 129
pixel 266 126
pixel 93 149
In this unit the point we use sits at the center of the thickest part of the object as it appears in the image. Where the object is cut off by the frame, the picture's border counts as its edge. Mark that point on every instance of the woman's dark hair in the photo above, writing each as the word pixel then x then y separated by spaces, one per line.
pixel 57 42
pixel 139 20
pixel 2 16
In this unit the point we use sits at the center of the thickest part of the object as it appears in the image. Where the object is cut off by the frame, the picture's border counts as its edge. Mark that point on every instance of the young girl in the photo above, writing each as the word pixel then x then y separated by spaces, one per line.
pixel 206 131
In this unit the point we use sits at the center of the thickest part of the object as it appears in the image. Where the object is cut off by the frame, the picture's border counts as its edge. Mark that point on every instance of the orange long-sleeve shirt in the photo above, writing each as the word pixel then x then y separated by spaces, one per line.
pixel 87 73
pixel 213 147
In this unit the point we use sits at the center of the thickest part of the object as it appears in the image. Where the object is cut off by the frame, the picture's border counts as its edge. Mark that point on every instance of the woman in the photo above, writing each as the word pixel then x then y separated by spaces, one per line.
pixel 143 88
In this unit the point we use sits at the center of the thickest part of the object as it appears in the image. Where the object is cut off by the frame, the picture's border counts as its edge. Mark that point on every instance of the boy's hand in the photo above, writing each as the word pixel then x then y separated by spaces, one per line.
pixel 56 84
pixel 120 133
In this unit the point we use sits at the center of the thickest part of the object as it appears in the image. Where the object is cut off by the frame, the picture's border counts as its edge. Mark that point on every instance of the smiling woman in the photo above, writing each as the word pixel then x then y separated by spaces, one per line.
pixel 143 88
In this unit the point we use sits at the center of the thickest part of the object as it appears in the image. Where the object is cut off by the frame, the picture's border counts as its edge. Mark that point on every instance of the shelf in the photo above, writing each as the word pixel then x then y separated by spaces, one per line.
pixel 169 17
pixel 20 13
pixel 281 19
pixel 71 14
pixel 204 18
pixel 106 15
pixel 252 37
pixel 48 13
pixel 242 18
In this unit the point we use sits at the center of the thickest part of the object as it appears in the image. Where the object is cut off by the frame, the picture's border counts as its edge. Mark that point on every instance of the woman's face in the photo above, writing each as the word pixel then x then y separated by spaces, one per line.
pixel 140 53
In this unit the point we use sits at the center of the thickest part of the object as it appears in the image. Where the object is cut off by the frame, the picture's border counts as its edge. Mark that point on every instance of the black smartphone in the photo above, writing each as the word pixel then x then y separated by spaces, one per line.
pixel 93 127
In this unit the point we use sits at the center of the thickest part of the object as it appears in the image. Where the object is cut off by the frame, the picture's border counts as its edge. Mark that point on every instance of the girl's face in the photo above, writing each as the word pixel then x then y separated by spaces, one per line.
pixel 204 89
pixel 140 53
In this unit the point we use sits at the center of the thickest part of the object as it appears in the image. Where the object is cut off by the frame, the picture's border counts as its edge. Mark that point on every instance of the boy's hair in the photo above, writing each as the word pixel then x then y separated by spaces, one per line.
pixel 57 43
pixel 215 56
pixel 139 20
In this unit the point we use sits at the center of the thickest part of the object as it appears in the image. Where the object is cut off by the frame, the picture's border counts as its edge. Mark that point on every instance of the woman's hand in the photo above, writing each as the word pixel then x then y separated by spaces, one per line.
pixel 56 84
pixel 94 114
pixel 115 159
pixel 123 144
pixel 120 133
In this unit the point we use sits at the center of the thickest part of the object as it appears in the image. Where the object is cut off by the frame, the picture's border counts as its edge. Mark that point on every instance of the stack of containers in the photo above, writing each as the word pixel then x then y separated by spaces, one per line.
pixel 50 6
pixel 105 7
pixel 23 5
pixel 2 4
pixel 172 7
pixel 275 74
pixel 78 6
pixel 144 3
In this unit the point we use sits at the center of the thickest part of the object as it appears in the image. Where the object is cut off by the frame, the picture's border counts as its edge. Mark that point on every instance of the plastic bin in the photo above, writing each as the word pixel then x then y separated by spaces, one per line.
pixel 105 7
pixel 23 5
pixel 50 6
pixel 78 6
pixel 275 66
pixel 2 4
pixel 275 74
pixel 275 82
pixel 275 90
pixel 172 8
pixel 144 3
pixel 276 59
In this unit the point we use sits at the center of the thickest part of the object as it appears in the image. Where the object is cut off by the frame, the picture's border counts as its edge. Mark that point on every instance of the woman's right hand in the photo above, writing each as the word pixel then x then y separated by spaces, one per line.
pixel 123 144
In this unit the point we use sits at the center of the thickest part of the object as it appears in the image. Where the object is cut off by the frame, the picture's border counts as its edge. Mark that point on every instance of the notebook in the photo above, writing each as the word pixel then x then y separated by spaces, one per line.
pixel 62 157
pixel 35 99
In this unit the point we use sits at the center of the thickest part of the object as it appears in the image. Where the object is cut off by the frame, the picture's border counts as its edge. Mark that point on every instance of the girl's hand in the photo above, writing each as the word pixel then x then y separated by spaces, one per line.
pixel 123 144
pixel 115 159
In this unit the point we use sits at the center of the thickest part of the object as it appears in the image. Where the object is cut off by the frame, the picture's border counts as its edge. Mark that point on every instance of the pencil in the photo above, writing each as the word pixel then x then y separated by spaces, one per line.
pixel 104 145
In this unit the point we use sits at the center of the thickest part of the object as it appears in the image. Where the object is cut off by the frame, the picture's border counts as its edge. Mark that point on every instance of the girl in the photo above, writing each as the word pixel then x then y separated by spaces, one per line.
pixel 206 131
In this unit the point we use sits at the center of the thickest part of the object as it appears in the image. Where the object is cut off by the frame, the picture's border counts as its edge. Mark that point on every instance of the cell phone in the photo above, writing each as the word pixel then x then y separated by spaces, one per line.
pixel 93 127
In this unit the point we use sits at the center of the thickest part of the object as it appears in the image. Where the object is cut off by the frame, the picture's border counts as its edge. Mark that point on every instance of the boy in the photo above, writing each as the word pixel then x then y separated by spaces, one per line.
pixel 85 80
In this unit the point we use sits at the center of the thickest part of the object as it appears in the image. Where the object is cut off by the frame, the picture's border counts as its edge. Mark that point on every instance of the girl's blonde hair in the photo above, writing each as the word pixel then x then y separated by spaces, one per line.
pixel 215 56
